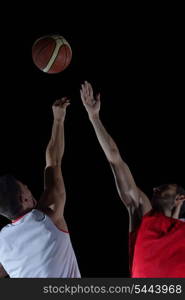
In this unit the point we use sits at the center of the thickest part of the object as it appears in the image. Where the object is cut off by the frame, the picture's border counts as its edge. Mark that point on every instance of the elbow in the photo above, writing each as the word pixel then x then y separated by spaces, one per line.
pixel 133 197
pixel 114 156
pixel 51 159
pixel 50 153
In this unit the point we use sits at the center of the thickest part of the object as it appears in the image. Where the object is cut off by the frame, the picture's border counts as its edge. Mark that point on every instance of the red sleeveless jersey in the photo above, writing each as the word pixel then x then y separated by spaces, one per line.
pixel 157 247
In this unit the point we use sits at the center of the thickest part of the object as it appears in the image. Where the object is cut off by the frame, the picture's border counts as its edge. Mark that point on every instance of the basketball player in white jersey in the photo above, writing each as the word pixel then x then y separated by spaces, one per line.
pixel 37 242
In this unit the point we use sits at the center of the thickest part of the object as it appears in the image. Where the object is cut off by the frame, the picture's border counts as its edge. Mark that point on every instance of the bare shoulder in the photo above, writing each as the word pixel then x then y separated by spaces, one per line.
pixel 59 221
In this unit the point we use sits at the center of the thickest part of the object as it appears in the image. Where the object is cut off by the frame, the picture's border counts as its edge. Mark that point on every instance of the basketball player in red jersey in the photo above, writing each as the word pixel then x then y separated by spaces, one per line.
pixel 37 242
pixel 156 232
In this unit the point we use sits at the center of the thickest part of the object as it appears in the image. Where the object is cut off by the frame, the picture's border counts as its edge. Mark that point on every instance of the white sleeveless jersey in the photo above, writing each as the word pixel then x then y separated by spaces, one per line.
pixel 34 247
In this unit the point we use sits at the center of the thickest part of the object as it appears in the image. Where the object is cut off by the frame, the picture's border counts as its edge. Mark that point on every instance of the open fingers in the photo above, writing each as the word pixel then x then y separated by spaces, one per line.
pixel 84 93
pixel 89 89
pixel 87 93
pixel 82 96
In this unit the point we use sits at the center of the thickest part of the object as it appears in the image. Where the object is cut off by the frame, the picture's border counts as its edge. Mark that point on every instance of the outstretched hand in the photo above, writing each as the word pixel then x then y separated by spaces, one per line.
pixel 59 109
pixel 91 103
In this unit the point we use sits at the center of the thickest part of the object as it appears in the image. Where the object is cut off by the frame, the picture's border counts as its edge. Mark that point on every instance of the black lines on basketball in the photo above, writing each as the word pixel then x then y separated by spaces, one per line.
pixel 51 54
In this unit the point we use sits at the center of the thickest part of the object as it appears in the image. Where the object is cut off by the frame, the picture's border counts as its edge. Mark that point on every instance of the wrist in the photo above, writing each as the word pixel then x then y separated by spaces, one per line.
pixel 59 121
pixel 93 117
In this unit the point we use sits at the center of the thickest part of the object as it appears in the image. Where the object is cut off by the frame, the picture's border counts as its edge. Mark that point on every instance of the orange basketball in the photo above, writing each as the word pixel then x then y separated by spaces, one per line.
pixel 51 54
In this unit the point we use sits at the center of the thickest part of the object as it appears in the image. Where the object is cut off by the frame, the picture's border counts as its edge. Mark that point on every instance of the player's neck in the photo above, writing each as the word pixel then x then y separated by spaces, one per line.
pixel 167 212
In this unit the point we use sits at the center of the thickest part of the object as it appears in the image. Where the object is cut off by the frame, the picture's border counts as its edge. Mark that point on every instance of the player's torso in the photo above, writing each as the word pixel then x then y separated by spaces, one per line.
pixel 35 247
pixel 159 248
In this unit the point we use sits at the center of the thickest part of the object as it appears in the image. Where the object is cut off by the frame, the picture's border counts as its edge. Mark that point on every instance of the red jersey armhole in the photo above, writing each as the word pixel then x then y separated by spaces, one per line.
pixel 132 241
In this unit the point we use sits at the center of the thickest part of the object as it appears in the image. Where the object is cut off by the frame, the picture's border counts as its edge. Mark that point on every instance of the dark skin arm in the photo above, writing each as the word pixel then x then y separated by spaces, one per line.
pixel 53 198
pixel 133 198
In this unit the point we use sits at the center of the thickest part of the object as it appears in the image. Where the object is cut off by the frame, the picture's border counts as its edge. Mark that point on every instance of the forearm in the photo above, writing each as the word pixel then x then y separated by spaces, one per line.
pixel 55 147
pixel 125 183
pixel 176 211
pixel 107 143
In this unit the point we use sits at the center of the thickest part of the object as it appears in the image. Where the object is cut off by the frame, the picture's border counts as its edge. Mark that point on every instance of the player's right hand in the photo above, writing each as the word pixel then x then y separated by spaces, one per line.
pixel 91 103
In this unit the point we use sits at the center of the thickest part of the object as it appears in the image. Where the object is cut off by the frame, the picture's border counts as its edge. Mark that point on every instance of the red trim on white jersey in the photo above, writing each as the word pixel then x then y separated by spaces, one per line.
pixel 13 221
pixel 64 231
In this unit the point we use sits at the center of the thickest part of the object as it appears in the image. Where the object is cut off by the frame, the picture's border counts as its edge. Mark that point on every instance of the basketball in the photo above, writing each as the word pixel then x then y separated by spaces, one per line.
pixel 51 54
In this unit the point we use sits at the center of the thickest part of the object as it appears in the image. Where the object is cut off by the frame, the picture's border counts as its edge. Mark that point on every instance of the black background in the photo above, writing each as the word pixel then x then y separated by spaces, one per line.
pixel 133 56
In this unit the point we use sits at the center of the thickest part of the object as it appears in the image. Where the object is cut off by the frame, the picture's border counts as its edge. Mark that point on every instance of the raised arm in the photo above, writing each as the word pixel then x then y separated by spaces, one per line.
pixel 129 193
pixel 53 199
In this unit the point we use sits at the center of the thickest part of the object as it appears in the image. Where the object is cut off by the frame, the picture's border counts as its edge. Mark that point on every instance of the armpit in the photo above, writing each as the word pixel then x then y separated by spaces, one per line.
pixel 135 217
